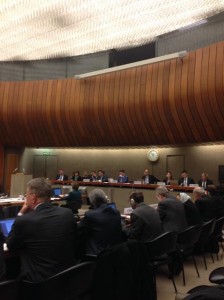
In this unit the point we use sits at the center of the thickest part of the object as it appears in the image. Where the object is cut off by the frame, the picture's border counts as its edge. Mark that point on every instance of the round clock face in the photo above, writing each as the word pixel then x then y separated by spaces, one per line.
pixel 153 155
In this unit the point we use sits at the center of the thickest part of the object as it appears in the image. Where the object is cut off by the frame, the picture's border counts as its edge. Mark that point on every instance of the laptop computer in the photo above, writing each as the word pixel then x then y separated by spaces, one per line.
pixel 6 226
pixel 56 192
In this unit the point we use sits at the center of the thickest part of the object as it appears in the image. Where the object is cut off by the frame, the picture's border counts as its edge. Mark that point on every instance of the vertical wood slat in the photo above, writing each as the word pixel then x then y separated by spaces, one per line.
pixel 173 102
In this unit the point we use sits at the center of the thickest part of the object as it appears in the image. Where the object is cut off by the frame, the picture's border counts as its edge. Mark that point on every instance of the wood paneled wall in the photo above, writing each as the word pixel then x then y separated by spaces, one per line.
pixel 172 102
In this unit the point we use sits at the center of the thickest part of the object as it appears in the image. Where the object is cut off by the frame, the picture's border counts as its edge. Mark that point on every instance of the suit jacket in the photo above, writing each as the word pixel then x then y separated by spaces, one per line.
pixel 45 238
pixel 122 179
pixel 102 178
pixel 65 177
pixel 172 214
pixel 208 182
pixel 151 179
pixel 74 200
pixel 76 178
pixel 145 224
pixel 189 181
pixel 207 208
pixel 100 228
pixel 192 213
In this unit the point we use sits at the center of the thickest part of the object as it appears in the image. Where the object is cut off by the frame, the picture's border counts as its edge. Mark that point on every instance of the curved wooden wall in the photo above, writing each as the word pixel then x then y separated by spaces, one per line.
pixel 168 103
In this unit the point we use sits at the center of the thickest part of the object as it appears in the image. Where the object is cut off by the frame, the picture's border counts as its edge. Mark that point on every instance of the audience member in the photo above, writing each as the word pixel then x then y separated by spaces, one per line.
pixel 93 176
pixel 101 226
pixel 204 181
pixel 149 179
pixel 74 198
pixel 122 177
pixel 192 213
pixel 145 223
pixel 218 200
pixel 206 205
pixel 61 175
pixel 171 211
pixel 101 176
pixel 44 234
pixel 76 176
pixel 167 178
pixel 184 180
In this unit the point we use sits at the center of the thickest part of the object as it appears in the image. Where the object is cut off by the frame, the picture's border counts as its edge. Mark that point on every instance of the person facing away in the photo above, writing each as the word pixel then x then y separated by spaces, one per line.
pixel 184 180
pixel 149 179
pixel 76 176
pixel 101 226
pixel 171 211
pixel 122 177
pixel 204 182
pixel 192 213
pixel 205 204
pixel 168 178
pixel 44 234
pixel 145 223
pixel 61 175
pixel 74 198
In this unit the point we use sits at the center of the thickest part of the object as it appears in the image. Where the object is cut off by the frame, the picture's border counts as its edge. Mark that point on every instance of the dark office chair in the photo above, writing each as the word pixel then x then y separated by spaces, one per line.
pixel 10 211
pixel 216 236
pixel 72 284
pixel 207 229
pixel 158 251
pixel 217 276
pixel 185 246
pixel 9 290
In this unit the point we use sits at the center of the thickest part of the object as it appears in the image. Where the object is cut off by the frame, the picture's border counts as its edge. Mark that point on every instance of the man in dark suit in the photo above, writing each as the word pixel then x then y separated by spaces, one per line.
pixel 101 226
pixel 73 199
pixel 192 213
pixel 149 179
pixel 145 223
pixel 171 211
pixel 205 181
pixel 206 205
pixel 101 176
pixel 44 234
pixel 122 177
pixel 61 176
pixel 184 180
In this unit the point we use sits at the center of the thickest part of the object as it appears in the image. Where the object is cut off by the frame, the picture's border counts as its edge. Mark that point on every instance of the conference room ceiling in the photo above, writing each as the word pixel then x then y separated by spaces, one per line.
pixel 32 29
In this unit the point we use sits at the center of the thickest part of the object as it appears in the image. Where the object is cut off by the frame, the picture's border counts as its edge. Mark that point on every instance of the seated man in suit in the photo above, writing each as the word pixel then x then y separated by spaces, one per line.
pixel 61 176
pixel 171 211
pixel 101 176
pixel 74 198
pixel 44 234
pixel 149 179
pixel 145 223
pixel 122 177
pixel 206 205
pixel 184 180
pixel 192 213
pixel 205 181
pixel 101 226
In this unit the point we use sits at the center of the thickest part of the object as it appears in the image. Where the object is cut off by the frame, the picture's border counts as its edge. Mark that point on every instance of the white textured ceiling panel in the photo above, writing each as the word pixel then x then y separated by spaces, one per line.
pixel 40 29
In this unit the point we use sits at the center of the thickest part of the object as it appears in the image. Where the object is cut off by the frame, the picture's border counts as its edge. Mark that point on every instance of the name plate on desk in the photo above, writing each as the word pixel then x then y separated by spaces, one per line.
pixel 161 183
pixel 193 185
pixel 137 182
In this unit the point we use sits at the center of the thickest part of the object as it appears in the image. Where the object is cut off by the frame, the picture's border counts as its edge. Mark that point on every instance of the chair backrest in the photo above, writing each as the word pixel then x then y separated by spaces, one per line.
pixel 206 230
pixel 188 237
pixel 218 226
pixel 11 211
pixel 163 244
pixel 71 284
pixel 9 290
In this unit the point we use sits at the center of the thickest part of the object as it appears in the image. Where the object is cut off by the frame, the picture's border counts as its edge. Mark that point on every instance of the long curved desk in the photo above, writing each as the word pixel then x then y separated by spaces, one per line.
pixel 119 192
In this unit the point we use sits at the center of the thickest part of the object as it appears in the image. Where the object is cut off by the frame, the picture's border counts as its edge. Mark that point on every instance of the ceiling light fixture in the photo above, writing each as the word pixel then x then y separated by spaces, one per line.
pixel 179 55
